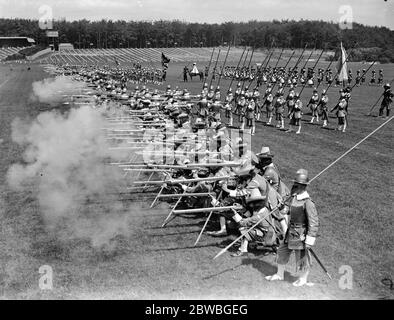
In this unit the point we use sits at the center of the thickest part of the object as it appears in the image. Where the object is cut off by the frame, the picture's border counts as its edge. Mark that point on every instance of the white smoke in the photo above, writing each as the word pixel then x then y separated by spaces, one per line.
pixel 66 158
pixel 52 90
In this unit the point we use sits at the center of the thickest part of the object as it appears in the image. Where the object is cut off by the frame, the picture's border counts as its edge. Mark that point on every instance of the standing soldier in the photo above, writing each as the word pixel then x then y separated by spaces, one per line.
pixel 211 94
pixel 296 114
pixel 300 233
pixel 185 73
pixel 380 79
pixel 358 78
pixel 313 105
pixel 228 107
pixel 350 77
pixel 341 114
pixel 256 98
pixel 250 115
pixel 363 76
pixel 323 107
pixel 279 110
pixel 373 78
pixel 217 94
pixel 215 112
pixel 269 107
pixel 241 110
pixel 387 99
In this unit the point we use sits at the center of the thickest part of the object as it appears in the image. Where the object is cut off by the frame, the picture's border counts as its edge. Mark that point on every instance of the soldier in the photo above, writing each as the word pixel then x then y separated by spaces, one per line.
pixel 290 99
pixel 279 110
pixel 241 109
pixel 380 79
pixel 323 107
pixel 267 230
pixel 373 78
pixel 313 105
pixel 350 77
pixel 215 112
pixel 386 102
pixel 228 107
pixel 269 107
pixel 256 98
pixel 185 73
pixel 217 94
pixel 296 114
pixel 211 94
pixel 358 78
pixel 341 114
pixel 300 233
pixel 203 111
pixel 363 76
pixel 250 115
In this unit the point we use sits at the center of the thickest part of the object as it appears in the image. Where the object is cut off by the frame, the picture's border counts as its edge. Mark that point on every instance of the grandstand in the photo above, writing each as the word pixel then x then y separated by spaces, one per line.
pixel 5 52
pixel 152 56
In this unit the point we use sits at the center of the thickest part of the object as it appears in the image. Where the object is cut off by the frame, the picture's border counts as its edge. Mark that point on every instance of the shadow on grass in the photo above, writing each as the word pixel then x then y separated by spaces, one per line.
pixel 266 268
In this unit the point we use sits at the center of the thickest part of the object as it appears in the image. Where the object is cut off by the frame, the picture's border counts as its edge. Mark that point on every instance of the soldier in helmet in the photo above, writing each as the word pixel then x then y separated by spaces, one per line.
pixel 228 107
pixel 296 114
pixel 313 105
pixel 380 78
pixel 300 233
pixel 269 107
pixel 363 76
pixel 211 94
pixel 279 111
pixel 341 114
pixel 323 107
pixel 387 99
pixel 250 115
pixel 373 78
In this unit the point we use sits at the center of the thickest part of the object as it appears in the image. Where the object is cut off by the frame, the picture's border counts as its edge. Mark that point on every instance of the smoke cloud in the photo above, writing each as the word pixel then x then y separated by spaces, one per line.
pixel 51 90
pixel 66 158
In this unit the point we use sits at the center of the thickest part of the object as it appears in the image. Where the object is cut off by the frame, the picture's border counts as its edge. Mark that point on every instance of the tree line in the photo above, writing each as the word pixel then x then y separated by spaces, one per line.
pixel 261 34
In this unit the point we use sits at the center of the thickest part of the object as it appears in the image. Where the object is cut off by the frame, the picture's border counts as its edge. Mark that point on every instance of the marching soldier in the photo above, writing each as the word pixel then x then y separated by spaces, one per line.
pixel 250 115
pixel 256 98
pixel 341 114
pixel 279 110
pixel 380 78
pixel 269 107
pixel 296 114
pixel 301 231
pixel 386 102
pixel 373 78
pixel 241 109
pixel 228 107
pixel 313 105
pixel 323 107
pixel 215 111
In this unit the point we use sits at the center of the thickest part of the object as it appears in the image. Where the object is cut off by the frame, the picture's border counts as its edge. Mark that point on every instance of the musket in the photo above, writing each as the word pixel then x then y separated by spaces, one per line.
pixel 208 218
pixel 209 65
pixel 214 68
pixel 203 210
pixel 370 111
pixel 319 262
pixel 196 194
pixel 267 59
pixel 174 181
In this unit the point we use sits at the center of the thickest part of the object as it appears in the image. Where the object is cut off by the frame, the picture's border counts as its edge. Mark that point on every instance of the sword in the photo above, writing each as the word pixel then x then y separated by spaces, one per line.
pixel 319 262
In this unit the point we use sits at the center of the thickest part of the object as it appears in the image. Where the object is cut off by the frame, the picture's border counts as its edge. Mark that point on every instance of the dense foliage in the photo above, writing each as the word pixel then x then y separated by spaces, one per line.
pixel 286 33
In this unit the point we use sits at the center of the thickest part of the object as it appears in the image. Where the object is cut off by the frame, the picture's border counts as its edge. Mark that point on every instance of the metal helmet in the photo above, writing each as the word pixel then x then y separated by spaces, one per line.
pixel 270 174
pixel 302 177
pixel 387 85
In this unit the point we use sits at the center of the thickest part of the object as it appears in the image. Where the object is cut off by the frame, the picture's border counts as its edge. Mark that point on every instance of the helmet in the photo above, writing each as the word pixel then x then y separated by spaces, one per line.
pixel 205 85
pixel 323 91
pixel 387 85
pixel 239 84
pixel 270 174
pixel 302 177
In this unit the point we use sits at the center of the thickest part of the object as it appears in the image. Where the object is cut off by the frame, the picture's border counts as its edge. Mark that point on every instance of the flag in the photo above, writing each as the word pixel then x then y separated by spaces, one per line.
pixel 342 65
pixel 164 60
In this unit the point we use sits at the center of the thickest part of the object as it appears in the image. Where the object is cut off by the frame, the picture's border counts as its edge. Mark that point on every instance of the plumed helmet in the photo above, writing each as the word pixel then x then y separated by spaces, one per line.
pixel 302 177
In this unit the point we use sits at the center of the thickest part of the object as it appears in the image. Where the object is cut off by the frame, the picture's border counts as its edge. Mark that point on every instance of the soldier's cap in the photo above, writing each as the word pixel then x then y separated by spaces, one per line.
pixel 302 177
pixel 255 195
pixel 265 153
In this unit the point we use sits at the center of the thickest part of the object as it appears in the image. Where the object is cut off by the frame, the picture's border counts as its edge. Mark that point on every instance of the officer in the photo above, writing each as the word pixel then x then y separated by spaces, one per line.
pixel 301 231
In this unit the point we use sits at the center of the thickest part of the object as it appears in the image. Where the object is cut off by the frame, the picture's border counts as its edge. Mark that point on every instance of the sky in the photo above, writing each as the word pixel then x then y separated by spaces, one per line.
pixel 369 12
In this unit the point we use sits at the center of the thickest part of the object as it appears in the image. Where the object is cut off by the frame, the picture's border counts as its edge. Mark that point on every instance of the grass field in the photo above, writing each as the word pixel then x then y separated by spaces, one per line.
pixel 353 200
